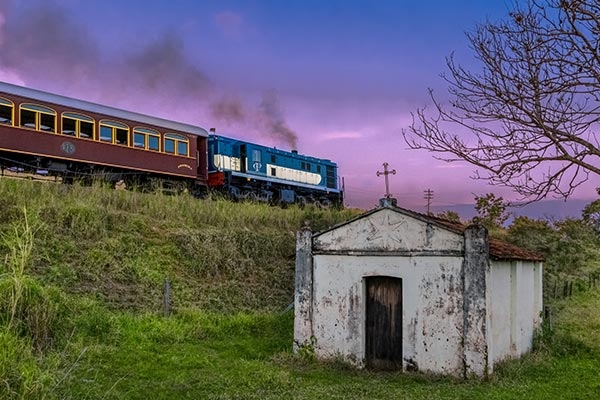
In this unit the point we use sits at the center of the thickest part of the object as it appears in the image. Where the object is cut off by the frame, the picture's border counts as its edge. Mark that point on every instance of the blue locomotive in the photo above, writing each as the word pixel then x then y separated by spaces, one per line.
pixel 249 171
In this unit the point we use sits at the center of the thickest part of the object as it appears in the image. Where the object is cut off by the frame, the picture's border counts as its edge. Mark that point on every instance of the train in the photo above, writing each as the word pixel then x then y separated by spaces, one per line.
pixel 67 139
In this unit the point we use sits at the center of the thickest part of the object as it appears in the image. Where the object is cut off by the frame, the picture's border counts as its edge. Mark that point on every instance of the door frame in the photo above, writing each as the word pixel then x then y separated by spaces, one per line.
pixel 372 360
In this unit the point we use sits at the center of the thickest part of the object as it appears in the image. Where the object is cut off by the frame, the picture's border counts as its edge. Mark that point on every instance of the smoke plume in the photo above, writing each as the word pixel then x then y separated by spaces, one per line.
pixel 43 46
pixel 266 118
pixel 163 65
pixel 228 109
pixel 271 117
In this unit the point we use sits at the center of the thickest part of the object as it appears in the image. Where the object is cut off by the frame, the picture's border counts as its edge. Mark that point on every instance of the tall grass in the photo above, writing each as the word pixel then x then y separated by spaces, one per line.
pixel 29 316
pixel 27 308
pixel 119 246
pixel 19 243
pixel 21 375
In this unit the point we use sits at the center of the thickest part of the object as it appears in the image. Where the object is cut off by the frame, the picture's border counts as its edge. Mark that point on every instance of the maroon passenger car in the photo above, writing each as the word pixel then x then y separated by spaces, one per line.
pixel 56 135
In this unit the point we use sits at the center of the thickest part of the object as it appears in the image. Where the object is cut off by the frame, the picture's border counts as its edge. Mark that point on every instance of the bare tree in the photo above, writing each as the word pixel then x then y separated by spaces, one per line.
pixel 529 118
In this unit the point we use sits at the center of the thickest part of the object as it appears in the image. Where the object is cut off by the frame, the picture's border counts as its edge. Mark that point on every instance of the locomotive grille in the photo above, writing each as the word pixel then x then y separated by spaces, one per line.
pixel 330 177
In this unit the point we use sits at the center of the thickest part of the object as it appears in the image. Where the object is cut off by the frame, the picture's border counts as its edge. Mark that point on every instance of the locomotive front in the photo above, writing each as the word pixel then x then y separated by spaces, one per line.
pixel 251 171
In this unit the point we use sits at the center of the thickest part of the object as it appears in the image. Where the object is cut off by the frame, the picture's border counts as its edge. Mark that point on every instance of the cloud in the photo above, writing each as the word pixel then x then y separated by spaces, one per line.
pixel 7 75
pixel 45 44
pixel 53 51
pixel 452 165
pixel 340 135
pixel 45 47
pixel 164 66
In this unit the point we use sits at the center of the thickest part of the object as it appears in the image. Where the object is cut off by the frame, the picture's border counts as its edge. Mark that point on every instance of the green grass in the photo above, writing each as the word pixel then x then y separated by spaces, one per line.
pixel 247 356
pixel 81 308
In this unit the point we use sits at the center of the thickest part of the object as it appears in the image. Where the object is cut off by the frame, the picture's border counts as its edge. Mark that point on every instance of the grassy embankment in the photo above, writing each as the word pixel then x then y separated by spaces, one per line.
pixel 81 307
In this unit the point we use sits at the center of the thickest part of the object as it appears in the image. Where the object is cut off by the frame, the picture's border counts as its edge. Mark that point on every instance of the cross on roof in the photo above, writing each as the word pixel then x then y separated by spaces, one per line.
pixel 386 172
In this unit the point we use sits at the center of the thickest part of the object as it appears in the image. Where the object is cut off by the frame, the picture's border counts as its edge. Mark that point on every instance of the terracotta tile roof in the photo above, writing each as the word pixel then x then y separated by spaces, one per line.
pixel 499 249
pixel 502 250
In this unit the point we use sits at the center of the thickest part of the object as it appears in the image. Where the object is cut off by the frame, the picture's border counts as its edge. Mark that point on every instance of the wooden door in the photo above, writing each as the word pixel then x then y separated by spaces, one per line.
pixel 384 323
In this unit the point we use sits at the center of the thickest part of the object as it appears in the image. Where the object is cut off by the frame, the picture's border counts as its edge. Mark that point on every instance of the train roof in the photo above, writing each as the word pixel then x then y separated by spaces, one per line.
pixel 275 149
pixel 99 108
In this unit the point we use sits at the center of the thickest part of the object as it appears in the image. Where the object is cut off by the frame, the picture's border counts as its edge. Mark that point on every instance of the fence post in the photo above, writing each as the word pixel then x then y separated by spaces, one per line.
pixel 547 317
pixel 167 297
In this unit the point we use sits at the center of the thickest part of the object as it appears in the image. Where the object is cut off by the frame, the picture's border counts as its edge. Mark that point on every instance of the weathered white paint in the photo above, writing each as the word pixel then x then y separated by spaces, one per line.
pixel 303 304
pixel 432 309
pixel 462 312
pixel 514 307
pixel 295 175
pixel 500 310
pixel 475 264
pixel 388 231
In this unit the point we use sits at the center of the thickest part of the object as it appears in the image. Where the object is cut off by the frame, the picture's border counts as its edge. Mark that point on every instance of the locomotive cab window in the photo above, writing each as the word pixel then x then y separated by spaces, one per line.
pixel 77 125
pixel 145 138
pixel 37 117
pixel 176 144
pixel 114 132
pixel 6 111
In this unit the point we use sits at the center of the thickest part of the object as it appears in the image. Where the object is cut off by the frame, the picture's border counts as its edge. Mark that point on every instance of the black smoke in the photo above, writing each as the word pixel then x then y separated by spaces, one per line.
pixel 266 117
pixel 42 43
pixel 50 50
pixel 271 117
pixel 228 109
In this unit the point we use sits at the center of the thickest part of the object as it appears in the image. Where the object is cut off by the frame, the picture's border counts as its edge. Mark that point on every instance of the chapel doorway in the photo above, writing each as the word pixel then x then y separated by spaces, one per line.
pixel 383 350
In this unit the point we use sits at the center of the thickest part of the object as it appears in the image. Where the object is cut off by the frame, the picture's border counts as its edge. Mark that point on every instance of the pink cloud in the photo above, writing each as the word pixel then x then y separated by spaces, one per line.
pixel 341 135
pixel 10 76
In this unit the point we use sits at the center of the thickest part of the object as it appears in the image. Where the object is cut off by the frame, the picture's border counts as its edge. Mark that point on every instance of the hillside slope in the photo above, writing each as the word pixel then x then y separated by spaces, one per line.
pixel 81 307
pixel 120 247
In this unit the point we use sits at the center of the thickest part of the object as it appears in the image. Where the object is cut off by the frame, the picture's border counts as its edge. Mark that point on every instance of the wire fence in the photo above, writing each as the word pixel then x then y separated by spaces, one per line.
pixel 560 288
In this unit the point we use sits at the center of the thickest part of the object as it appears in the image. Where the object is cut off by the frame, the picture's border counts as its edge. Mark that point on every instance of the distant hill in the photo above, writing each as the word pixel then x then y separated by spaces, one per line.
pixel 546 209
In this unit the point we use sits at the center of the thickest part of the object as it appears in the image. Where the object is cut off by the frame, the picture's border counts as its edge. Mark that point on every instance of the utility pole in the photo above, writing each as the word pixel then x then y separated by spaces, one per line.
pixel 428 197
pixel 385 173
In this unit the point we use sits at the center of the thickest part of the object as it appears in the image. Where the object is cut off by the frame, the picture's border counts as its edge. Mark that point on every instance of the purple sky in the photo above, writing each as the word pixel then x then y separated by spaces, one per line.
pixel 333 79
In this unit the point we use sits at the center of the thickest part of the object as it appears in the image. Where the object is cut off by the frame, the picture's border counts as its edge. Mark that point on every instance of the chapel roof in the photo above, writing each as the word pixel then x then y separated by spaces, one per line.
pixel 499 249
